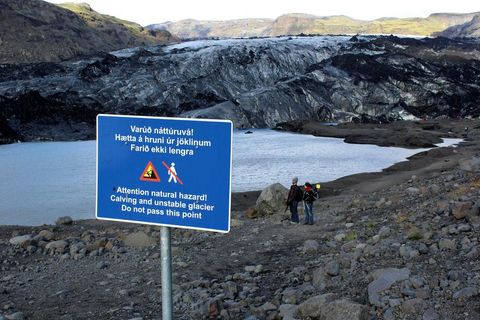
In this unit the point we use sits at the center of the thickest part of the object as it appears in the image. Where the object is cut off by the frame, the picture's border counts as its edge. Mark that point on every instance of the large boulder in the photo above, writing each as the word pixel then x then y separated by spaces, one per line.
pixel 272 200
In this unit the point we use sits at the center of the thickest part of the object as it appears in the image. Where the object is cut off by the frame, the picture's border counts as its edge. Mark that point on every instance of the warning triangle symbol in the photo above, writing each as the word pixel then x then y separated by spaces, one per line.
pixel 150 173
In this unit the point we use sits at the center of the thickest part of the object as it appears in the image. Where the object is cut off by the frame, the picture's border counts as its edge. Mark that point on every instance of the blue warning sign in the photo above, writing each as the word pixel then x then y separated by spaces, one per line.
pixel 164 171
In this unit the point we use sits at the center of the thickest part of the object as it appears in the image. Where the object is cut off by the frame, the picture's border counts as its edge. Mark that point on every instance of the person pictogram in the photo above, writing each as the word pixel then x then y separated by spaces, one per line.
pixel 172 173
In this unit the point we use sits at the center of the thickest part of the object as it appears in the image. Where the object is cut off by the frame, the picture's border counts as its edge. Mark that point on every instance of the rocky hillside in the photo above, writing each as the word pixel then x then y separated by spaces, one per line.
pixel 469 29
pixel 255 83
pixel 34 30
pixel 294 24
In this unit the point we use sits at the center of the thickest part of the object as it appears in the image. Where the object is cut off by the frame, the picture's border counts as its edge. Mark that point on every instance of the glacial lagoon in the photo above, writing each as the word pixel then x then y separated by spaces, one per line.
pixel 41 181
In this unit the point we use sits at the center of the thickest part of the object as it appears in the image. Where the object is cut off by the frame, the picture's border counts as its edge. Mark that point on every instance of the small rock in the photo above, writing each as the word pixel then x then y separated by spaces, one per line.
pixel 344 309
pixel 460 209
pixel 76 247
pixel 66 220
pixel 442 207
pixel 394 302
pixel 414 306
pixel 267 306
pixel 122 250
pixel 333 268
pixel 446 244
pixel 413 190
pixel 384 231
pixel 102 265
pixel 430 314
pixel 380 202
pixel 288 311
pixel 109 246
pixel 417 282
pixel 249 268
pixel 464 227
pixel 139 239
pixel 466 293
pixel 291 296
pixel 383 280
pixel 423 293
pixel 235 223
pixel 474 220
pixel 312 306
pixel 47 235
pixel 319 278
pixel 340 237
pixel 474 253
pixel 324 307
pixel 258 269
pixel 57 246
pixel 230 289
pixel 388 315
pixel 214 308
pixel 16 316
pixel 251 213
pixel 124 292
pixel 472 165
pixel 22 241
pixel 311 246
pixel 31 249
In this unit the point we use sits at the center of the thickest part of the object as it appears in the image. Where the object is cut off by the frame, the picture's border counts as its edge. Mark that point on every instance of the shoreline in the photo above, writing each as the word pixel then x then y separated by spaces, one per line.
pixel 412 135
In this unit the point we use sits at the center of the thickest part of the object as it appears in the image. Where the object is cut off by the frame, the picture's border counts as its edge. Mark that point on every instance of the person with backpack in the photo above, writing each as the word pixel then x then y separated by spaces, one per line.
pixel 295 195
pixel 309 196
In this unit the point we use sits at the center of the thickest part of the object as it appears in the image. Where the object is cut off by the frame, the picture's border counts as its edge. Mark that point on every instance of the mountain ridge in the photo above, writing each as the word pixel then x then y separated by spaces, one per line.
pixel 470 29
pixel 38 31
pixel 302 23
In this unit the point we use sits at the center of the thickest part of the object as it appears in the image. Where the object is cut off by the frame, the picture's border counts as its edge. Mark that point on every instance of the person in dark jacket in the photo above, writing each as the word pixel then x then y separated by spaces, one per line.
pixel 295 195
pixel 309 196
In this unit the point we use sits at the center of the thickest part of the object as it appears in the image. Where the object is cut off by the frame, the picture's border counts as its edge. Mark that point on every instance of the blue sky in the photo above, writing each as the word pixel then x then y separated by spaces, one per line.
pixel 155 11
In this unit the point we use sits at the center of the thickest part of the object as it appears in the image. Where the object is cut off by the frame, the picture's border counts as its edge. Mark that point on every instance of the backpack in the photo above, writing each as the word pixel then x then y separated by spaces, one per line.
pixel 310 196
pixel 298 194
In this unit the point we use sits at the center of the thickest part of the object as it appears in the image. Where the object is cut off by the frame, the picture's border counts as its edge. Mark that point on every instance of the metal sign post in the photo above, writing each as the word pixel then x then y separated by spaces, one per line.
pixel 166 255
